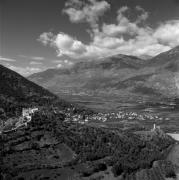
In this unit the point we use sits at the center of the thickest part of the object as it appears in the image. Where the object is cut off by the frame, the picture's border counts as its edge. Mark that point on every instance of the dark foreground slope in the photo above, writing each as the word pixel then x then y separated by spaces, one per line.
pixel 49 148
pixel 17 92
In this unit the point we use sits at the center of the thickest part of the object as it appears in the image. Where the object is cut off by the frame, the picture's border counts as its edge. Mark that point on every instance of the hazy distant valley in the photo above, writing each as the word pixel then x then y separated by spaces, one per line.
pixel 121 83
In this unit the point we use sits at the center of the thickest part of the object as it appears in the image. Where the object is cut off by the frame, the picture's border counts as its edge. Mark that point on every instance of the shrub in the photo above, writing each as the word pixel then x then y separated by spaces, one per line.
pixel 170 174
pixel 117 169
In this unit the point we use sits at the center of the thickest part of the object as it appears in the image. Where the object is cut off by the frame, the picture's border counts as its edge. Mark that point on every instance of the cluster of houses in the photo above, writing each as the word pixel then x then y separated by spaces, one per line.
pixel 26 116
pixel 125 115
pixel 112 116
pixel 76 118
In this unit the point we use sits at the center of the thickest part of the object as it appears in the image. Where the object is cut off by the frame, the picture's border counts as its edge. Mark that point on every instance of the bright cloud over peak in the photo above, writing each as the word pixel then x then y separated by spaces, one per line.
pixel 168 33
pixel 108 39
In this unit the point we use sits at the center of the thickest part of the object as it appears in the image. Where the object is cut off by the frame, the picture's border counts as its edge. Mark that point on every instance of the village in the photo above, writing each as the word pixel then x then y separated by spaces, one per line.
pixel 113 116
pixel 27 113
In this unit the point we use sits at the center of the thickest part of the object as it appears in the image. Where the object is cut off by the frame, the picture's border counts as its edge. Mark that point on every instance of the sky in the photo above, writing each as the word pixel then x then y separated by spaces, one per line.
pixel 39 34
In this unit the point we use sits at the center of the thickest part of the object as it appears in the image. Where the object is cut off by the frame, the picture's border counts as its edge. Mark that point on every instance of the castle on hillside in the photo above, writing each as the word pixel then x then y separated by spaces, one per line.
pixel 155 128
pixel 23 120
pixel 27 112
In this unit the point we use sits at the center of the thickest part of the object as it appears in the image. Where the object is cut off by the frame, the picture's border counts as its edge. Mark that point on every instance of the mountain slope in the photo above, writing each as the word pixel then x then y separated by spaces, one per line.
pixel 19 85
pixel 49 148
pixel 125 77
pixel 163 73
pixel 116 63
pixel 90 77
pixel 17 92
pixel 168 60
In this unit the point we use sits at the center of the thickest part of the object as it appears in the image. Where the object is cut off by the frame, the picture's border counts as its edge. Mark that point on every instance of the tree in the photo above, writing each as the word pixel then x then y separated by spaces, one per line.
pixel 2 116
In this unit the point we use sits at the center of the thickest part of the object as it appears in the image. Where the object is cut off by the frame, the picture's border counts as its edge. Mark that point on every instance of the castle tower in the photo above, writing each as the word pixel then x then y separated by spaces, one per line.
pixel 154 127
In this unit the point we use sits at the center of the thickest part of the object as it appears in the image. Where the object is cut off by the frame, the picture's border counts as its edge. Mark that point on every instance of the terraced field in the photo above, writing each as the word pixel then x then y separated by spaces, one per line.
pixel 52 149
pixel 34 150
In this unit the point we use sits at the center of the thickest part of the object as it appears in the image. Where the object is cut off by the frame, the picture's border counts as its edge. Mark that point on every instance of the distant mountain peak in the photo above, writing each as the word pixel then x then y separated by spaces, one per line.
pixel 174 50
pixel 169 58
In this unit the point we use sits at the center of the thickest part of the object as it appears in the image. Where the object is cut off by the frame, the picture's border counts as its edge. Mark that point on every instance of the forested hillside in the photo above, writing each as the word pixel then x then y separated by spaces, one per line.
pixel 58 148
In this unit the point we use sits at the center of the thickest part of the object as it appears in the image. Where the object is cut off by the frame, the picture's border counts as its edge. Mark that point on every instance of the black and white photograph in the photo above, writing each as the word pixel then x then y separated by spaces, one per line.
pixel 89 89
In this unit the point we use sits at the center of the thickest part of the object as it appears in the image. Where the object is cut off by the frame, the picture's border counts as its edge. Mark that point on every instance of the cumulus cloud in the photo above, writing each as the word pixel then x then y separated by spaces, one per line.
pixel 89 11
pixel 107 42
pixel 168 33
pixel 68 45
pixel 35 63
pixel 124 25
pixel 57 61
pixel 64 44
pixel 59 65
pixel 46 37
pixel 143 16
pixel 122 37
pixel 7 59
pixel 64 64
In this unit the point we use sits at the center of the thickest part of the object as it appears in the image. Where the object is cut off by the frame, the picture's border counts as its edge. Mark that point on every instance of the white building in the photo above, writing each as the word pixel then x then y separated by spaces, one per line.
pixel 155 127
pixel 26 112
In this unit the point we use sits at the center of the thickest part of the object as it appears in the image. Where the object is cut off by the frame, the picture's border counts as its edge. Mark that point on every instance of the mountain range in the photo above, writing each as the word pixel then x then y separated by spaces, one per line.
pixel 121 76
pixel 49 147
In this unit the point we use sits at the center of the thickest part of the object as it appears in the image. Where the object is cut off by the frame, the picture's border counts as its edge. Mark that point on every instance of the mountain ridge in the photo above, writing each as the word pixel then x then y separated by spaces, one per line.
pixel 16 92
pixel 119 76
